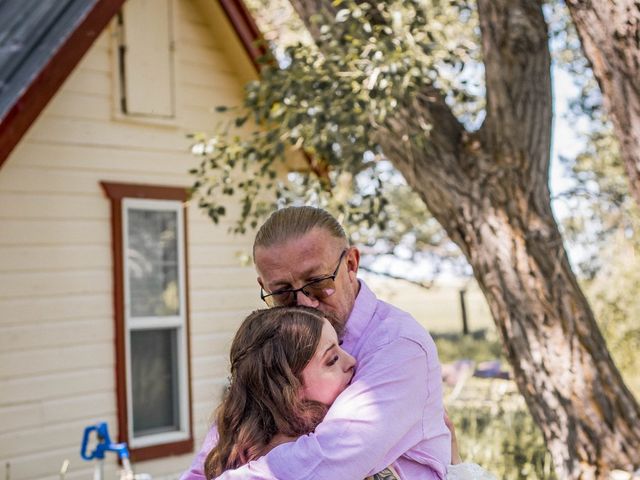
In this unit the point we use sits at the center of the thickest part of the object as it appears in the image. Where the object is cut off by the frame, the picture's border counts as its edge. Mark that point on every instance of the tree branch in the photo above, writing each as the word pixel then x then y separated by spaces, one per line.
pixel 610 37
pixel 446 132
pixel 518 81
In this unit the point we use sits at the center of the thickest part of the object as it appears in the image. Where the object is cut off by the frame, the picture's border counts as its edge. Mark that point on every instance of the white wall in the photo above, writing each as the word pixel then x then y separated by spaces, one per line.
pixel 56 304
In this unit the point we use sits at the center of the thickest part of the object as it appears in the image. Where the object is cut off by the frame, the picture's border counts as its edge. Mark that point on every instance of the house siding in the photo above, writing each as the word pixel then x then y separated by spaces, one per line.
pixel 57 355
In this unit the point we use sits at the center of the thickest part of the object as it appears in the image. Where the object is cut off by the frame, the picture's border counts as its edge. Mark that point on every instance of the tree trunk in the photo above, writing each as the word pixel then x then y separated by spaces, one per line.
pixel 489 190
pixel 610 35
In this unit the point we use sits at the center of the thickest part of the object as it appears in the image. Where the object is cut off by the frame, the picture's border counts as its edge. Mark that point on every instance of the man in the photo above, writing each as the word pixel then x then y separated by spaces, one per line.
pixel 392 411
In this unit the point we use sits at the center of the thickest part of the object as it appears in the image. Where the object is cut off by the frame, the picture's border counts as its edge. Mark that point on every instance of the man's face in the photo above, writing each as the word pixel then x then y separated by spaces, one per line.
pixel 302 260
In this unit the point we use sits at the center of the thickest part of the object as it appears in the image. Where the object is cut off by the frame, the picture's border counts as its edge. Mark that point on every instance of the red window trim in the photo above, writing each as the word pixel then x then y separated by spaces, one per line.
pixel 116 192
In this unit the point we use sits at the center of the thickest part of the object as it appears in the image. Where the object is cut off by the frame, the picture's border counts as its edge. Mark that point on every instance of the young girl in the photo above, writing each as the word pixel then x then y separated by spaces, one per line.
pixel 287 368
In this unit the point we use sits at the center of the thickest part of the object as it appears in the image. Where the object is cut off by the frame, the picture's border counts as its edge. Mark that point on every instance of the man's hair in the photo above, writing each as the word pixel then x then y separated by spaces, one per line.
pixel 294 222
pixel 268 354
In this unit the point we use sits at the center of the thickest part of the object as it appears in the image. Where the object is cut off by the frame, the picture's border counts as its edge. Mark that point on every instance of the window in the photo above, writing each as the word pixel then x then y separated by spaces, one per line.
pixel 146 60
pixel 151 319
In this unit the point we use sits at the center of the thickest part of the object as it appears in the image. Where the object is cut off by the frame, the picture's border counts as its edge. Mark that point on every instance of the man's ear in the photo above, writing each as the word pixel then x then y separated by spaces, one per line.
pixel 353 261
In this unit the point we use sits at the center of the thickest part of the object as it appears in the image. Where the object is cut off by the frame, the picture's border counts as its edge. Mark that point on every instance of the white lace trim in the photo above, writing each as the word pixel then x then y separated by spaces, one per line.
pixel 468 471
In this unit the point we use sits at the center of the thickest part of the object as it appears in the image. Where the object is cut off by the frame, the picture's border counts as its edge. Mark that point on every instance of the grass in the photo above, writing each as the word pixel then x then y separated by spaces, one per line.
pixel 494 427
pixel 437 308
pixel 479 346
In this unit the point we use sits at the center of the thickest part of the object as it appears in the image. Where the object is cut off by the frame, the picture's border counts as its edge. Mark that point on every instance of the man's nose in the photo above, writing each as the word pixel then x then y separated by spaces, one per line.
pixel 305 301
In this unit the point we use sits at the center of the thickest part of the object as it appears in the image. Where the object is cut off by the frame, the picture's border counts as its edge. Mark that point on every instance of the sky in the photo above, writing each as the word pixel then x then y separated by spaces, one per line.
pixel 566 138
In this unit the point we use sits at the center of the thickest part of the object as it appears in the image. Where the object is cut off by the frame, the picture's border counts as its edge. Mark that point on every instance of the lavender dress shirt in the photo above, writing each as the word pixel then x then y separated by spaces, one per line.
pixel 392 412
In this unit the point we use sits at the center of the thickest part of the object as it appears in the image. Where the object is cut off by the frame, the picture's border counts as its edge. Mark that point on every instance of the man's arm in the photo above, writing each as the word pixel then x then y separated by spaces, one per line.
pixel 378 418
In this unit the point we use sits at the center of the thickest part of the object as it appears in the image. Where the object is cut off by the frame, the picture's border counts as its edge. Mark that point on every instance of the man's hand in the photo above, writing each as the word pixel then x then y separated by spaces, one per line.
pixel 455 453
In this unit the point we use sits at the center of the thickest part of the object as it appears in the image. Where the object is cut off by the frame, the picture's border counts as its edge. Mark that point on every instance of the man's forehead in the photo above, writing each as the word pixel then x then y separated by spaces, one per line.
pixel 279 268
pixel 297 258
pixel 316 243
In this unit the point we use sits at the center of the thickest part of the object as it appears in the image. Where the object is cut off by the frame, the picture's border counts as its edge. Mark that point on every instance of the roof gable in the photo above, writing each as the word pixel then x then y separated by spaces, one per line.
pixel 69 34
pixel 42 41
pixel 31 31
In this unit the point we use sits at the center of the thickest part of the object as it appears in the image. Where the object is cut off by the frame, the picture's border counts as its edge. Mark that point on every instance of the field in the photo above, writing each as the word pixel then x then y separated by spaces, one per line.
pixel 437 308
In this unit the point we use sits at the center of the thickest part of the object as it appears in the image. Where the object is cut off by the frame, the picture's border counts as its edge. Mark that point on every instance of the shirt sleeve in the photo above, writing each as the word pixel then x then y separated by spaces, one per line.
pixel 196 471
pixel 378 418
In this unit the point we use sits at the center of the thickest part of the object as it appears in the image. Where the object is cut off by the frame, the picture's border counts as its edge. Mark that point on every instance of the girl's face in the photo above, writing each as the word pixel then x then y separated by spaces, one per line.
pixel 329 371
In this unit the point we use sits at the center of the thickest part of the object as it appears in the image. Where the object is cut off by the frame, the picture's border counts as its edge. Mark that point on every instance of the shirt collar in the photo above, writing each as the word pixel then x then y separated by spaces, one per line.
pixel 361 315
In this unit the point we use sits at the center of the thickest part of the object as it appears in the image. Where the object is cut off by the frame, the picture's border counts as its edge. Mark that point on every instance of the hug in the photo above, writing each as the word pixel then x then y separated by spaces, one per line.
pixel 330 382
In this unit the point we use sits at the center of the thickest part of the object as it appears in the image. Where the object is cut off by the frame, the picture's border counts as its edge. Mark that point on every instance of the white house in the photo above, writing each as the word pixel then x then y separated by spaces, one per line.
pixel 117 299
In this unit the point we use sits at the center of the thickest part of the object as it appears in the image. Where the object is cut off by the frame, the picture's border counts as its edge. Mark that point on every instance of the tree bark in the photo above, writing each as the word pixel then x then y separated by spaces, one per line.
pixel 610 35
pixel 489 190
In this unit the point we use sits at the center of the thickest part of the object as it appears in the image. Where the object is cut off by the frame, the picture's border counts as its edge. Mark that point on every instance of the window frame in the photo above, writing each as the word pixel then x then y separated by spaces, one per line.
pixel 122 196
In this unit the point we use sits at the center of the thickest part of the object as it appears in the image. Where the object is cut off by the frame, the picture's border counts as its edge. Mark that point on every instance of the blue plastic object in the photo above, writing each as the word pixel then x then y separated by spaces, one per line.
pixel 104 443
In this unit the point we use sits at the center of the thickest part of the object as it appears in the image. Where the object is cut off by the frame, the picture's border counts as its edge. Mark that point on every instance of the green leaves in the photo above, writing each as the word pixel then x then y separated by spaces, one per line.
pixel 329 101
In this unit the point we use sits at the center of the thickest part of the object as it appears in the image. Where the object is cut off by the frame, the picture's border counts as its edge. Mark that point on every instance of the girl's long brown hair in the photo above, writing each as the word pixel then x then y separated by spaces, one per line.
pixel 268 354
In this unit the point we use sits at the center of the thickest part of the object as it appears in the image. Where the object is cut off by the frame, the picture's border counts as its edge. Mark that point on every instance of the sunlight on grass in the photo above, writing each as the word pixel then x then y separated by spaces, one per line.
pixel 437 308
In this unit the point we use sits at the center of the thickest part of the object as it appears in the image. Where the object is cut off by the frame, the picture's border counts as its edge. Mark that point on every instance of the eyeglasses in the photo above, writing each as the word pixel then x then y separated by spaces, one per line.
pixel 317 289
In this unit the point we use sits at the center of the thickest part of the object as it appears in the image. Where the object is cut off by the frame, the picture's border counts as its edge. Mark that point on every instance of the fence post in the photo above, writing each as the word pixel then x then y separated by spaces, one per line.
pixel 463 309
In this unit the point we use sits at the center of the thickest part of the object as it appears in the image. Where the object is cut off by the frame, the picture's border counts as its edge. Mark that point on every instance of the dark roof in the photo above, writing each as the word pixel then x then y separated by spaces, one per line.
pixel 42 41
pixel 30 33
